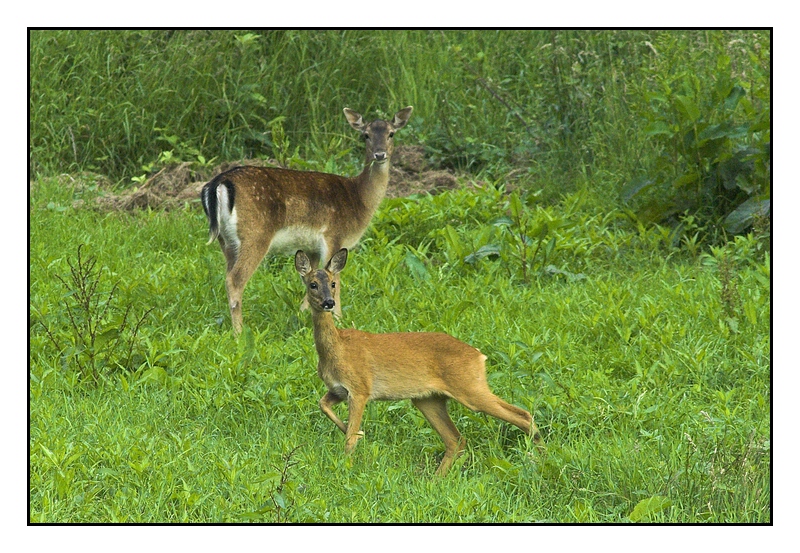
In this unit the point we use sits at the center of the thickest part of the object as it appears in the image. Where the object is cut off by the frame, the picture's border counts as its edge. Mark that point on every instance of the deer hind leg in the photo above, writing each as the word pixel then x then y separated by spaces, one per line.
pixel 435 411
pixel 250 254
pixel 492 405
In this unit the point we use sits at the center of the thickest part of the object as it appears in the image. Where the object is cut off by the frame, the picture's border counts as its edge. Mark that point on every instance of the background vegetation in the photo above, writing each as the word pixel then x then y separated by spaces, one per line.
pixel 673 121
pixel 642 349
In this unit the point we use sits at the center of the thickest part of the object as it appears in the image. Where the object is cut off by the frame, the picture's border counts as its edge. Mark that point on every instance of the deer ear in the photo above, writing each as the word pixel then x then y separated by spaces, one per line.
pixel 302 263
pixel 354 118
pixel 401 117
pixel 338 261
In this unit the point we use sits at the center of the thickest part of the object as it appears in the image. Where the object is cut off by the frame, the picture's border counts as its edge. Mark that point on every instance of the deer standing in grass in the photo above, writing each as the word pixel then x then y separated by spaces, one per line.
pixel 426 367
pixel 254 211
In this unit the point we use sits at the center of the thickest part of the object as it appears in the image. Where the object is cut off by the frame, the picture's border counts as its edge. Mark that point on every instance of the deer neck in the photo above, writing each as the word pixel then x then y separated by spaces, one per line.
pixel 326 337
pixel 372 184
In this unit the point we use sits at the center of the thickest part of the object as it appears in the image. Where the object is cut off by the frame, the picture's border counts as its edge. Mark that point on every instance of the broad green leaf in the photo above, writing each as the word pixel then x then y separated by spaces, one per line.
pixel 733 98
pixel 744 215
pixel 687 107
pixel 501 221
pixel 634 187
pixel 453 241
pixel 712 132
pixel 105 337
pixel 658 127
pixel 649 506
pixel 155 374
pixel 483 251
pixel 416 267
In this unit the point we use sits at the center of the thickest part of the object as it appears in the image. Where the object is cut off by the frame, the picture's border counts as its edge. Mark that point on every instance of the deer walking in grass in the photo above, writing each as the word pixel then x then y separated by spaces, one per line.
pixel 426 367
pixel 253 211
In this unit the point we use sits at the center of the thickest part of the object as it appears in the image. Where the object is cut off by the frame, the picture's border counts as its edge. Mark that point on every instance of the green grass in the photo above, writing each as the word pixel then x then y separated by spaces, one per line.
pixel 646 367
pixel 567 107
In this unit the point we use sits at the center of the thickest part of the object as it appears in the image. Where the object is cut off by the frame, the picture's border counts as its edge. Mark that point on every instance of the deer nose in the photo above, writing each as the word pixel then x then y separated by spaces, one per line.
pixel 327 305
pixel 380 156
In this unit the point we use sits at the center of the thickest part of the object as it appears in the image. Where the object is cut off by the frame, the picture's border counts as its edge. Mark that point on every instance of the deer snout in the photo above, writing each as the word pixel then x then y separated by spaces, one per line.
pixel 328 305
pixel 380 157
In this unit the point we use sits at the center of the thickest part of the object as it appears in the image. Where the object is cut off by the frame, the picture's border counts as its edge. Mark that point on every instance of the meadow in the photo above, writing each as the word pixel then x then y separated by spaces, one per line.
pixel 640 344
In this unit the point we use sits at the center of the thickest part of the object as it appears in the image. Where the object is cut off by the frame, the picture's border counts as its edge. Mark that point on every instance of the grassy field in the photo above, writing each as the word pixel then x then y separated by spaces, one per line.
pixel 608 248
pixel 646 367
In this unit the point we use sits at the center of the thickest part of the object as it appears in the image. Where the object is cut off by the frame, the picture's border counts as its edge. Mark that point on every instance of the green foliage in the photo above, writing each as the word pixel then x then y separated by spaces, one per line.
pixel 713 137
pixel 649 377
pixel 549 110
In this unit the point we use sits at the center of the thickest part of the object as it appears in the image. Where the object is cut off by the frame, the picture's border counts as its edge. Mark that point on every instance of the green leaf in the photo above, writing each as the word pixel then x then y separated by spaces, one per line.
pixel 713 132
pixel 733 98
pixel 453 241
pixel 105 337
pixel 658 127
pixel 649 506
pixel 744 215
pixel 687 108
pixel 502 221
pixel 155 374
pixel 551 245
pixel 516 205
pixel 416 267
pixel 483 251
pixel 634 187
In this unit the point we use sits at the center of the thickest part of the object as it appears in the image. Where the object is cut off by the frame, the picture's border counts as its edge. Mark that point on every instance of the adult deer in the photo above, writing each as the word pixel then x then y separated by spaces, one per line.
pixel 426 367
pixel 254 211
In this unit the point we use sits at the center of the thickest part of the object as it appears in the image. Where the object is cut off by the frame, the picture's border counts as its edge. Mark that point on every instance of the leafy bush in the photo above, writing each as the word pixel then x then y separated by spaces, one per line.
pixel 712 135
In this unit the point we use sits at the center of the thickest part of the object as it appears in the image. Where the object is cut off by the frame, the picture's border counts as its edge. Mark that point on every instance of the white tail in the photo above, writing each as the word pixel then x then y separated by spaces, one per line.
pixel 426 367
pixel 254 211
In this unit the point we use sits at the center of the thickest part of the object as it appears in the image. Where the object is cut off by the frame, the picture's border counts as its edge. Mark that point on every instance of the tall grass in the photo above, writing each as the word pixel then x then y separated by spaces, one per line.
pixel 563 105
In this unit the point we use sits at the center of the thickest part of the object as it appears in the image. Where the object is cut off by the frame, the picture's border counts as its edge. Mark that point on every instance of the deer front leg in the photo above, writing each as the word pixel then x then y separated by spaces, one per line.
pixel 356 412
pixel 326 403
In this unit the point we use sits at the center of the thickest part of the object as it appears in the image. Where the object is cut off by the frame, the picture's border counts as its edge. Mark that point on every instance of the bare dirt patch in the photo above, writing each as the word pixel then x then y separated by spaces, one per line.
pixel 175 185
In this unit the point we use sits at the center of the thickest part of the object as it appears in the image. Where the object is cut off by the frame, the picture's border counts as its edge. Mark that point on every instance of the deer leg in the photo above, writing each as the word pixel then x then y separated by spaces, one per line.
pixel 492 405
pixel 249 257
pixel 355 406
pixel 435 411
pixel 326 403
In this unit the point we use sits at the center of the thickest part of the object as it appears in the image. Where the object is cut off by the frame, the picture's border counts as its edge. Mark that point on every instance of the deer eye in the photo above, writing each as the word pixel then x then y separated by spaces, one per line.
pixel 366 136
pixel 333 285
pixel 391 134
pixel 313 285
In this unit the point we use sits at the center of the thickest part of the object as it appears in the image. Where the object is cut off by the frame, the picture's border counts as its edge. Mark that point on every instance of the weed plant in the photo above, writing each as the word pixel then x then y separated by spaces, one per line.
pixel 646 367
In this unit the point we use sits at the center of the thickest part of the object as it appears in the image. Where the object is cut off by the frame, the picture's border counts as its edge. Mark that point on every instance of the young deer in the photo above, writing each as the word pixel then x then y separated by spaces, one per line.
pixel 426 367
pixel 253 211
